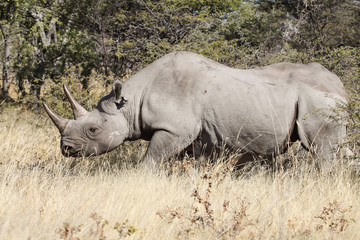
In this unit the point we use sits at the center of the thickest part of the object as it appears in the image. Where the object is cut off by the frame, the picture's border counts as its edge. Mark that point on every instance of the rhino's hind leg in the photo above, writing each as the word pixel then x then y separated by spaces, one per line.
pixel 321 135
pixel 327 143
pixel 165 144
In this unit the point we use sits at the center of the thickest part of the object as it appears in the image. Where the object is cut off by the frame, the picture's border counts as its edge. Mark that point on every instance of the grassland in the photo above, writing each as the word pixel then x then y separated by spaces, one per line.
pixel 46 196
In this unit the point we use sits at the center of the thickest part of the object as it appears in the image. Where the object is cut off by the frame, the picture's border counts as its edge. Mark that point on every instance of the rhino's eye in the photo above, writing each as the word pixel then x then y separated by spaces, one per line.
pixel 93 130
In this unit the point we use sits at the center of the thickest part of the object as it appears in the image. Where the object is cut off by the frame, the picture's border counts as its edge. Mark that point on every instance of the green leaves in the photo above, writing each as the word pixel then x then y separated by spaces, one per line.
pixel 119 38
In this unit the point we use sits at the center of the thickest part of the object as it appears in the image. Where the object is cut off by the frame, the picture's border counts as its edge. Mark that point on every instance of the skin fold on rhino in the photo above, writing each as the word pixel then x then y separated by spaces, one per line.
pixel 185 101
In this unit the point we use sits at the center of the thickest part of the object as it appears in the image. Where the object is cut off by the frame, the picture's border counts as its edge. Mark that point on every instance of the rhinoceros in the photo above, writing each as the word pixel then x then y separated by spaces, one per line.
pixel 186 101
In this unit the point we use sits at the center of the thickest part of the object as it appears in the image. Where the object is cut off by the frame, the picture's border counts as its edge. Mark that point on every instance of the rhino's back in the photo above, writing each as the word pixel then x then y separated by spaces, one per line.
pixel 312 75
pixel 188 71
pixel 183 80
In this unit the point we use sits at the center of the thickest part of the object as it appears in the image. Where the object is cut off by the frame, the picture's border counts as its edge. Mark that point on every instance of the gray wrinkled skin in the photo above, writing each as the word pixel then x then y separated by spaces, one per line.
pixel 185 98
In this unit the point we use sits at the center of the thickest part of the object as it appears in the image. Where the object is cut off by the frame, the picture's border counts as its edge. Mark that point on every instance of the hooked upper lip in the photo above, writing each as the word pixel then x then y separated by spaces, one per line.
pixel 69 151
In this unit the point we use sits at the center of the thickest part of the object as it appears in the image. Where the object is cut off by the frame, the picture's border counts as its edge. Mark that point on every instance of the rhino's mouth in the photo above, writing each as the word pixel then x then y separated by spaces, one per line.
pixel 69 151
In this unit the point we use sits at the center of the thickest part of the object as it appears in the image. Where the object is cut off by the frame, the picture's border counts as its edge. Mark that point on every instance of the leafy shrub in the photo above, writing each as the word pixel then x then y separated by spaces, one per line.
pixel 86 90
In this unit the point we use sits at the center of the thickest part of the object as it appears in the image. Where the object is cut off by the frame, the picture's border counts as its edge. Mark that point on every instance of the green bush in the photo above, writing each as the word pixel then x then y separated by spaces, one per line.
pixel 86 90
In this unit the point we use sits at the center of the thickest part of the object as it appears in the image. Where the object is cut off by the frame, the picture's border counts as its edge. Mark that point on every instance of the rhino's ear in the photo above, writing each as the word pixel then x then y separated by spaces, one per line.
pixel 117 91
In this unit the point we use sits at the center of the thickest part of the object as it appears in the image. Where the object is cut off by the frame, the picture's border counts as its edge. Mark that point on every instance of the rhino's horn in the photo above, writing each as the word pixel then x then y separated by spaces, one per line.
pixel 78 110
pixel 59 122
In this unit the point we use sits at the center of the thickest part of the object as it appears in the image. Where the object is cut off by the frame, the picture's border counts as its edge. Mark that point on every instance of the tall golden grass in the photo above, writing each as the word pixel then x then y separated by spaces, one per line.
pixel 46 196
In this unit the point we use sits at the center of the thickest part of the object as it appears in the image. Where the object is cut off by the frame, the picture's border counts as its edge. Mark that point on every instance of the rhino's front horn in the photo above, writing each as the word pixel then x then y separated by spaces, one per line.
pixel 78 110
pixel 59 122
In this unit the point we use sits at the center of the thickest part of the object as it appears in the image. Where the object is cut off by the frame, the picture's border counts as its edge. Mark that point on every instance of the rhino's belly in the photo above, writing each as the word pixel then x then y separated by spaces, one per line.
pixel 261 142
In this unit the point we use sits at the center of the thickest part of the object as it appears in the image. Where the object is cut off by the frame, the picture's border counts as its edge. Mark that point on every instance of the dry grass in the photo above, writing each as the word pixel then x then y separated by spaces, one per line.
pixel 46 196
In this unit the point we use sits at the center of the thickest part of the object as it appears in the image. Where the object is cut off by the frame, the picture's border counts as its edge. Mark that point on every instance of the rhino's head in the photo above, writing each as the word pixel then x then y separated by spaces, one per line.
pixel 95 132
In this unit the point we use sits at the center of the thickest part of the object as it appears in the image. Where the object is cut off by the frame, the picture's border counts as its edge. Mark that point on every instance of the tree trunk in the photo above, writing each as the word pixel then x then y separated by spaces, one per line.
pixel 106 57
pixel 6 60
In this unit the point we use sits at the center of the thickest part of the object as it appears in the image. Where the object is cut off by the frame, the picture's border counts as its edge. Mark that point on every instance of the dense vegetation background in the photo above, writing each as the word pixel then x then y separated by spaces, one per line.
pixel 45 41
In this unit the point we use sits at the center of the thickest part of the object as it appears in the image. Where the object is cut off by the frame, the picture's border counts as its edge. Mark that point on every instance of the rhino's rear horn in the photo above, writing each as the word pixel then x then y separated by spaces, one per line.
pixel 59 122
pixel 78 110
pixel 117 87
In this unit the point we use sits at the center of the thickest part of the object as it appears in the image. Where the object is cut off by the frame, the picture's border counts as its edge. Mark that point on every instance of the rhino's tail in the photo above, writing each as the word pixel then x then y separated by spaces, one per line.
pixel 297 131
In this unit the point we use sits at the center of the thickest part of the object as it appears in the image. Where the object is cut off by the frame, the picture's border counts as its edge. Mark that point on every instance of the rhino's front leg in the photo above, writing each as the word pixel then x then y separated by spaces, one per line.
pixel 163 145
